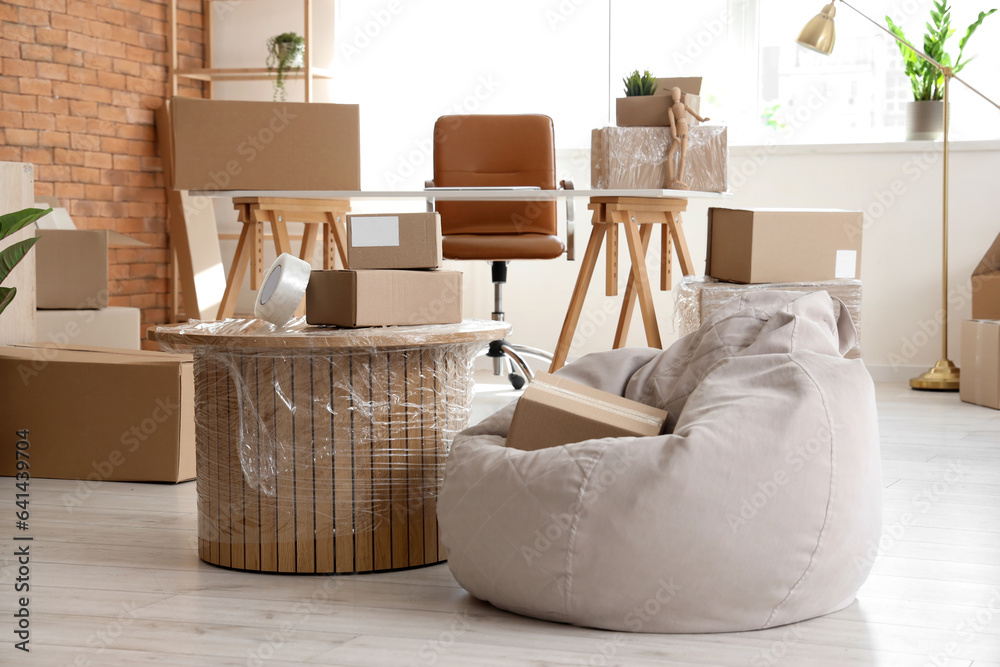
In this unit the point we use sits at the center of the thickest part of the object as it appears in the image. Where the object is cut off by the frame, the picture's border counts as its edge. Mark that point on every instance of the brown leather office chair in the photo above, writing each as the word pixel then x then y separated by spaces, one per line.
pixel 500 151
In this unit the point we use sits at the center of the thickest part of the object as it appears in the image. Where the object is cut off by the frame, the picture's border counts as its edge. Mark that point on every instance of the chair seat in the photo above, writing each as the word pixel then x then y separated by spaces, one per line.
pixel 502 247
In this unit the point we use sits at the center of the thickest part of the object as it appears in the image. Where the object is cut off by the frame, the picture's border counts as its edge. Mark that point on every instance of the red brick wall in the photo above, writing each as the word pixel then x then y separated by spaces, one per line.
pixel 78 85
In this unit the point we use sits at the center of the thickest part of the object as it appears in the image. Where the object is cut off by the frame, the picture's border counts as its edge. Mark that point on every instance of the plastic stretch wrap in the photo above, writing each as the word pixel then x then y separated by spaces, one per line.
pixel 636 157
pixel 697 298
pixel 322 450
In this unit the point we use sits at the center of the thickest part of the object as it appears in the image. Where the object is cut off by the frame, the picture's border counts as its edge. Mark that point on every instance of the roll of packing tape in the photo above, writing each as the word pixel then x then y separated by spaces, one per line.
pixel 283 289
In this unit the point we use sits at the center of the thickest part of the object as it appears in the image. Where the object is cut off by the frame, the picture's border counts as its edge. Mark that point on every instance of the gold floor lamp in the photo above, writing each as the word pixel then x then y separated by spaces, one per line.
pixel 819 35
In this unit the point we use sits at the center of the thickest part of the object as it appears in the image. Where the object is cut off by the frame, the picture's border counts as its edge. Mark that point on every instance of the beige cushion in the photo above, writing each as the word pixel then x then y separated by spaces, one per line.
pixel 761 507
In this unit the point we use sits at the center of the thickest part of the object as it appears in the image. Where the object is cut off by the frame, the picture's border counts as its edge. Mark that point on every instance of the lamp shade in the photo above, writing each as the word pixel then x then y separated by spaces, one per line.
pixel 820 33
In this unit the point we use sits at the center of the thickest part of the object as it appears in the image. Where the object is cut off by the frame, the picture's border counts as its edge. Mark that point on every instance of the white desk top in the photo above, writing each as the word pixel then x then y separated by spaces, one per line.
pixel 484 194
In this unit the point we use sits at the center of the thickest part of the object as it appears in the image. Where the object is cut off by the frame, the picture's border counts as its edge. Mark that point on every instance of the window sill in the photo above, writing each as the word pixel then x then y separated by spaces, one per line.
pixel 883 147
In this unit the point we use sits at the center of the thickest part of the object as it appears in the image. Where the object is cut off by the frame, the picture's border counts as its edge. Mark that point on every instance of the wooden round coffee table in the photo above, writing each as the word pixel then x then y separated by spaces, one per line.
pixel 321 450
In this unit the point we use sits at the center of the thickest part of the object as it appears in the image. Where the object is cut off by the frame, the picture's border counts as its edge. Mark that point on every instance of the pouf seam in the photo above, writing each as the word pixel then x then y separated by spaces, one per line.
pixel 829 498
pixel 573 529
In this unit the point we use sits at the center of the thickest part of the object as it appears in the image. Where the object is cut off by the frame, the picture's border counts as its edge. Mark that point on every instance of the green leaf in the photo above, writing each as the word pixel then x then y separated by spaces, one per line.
pixel 11 255
pixel 12 222
pixel 959 63
pixel 6 296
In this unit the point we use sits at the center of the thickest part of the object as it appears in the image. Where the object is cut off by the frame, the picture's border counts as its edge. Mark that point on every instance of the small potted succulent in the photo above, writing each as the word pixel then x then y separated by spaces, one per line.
pixel 640 106
pixel 925 114
pixel 15 252
pixel 284 53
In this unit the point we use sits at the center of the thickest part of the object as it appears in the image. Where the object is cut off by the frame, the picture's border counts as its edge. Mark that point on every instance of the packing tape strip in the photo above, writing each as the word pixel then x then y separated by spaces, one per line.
pixel 283 289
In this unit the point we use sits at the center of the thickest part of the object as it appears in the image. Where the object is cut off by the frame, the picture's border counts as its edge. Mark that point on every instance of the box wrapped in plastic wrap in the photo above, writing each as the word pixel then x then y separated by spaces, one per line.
pixel 636 158
pixel 322 449
pixel 697 298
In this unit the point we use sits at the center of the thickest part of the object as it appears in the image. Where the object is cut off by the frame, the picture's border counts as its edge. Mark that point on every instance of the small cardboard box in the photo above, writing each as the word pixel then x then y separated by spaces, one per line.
pixel 554 411
pixel 986 285
pixel 99 414
pixel 980 363
pixel 783 245
pixel 651 110
pixel 394 241
pixel 378 298
pixel 235 145
pixel 72 267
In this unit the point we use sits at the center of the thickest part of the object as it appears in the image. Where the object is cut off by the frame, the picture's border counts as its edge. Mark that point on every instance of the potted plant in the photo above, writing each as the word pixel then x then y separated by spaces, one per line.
pixel 924 116
pixel 15 252
pixel 284 53
pixel 640 107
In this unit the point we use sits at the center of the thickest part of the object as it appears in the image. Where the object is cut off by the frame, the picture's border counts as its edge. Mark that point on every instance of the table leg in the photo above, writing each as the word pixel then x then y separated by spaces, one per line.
pixel 236 273
pixel 308 248
pixel 611 255
pixel 335 222
pixel 628 303
pixel 579 294
pixel 256 255
pixel 666 258
pixel 279 230
pixel 683 254
pixel 642 287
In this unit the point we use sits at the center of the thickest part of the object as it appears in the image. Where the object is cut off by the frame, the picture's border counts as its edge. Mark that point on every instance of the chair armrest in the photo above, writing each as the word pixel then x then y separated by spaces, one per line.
pixel 430 200
pixel 567 184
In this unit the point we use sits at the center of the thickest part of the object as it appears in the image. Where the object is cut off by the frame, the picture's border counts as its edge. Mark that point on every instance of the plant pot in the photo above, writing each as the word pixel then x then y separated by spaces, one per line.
pixel 285 48
pixel 924 120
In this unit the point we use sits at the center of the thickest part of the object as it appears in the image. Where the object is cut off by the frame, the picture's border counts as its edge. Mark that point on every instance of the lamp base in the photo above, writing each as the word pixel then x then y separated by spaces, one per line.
pixel 943 377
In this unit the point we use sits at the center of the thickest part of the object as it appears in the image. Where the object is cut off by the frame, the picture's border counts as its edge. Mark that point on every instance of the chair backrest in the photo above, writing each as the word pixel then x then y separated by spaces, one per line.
pixel 495 150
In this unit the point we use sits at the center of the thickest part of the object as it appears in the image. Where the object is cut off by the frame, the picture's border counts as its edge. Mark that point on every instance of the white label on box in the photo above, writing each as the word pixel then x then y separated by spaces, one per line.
pixel 847 262
pixel 375 231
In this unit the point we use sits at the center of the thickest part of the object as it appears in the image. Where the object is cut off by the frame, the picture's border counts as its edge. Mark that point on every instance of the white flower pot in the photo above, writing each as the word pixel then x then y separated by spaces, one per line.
pixel 924 120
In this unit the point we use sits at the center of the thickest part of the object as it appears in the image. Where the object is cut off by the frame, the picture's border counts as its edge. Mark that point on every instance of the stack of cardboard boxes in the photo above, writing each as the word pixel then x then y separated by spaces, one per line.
pixel 71 283
pixel 785 249
pixel 393 276
pixel 980 360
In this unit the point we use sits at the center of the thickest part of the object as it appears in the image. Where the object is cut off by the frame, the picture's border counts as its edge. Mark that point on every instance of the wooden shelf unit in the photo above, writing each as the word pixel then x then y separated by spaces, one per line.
pixel 210 73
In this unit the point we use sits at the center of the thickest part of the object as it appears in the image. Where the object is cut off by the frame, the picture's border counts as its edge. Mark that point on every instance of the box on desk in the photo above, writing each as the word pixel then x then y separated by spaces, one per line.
pixel 783 245
pixel 986 285
pixel 99 414
pixel 72 267
pixel 554 411
pixel 378 298
pixel 980 363
pixel 651 110
pixel 235 145
pixel 636 158
pixel 397 241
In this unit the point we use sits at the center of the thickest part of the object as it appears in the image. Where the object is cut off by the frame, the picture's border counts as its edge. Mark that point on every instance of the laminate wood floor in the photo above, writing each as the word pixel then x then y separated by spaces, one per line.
pixel 115 580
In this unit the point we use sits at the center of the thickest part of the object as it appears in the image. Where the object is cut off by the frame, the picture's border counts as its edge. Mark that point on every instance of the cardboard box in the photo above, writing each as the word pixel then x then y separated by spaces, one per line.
pixel 394 241
pixel 636 158
pixel 234 145
pixel 980 363
pixel 376 298
pixel 697 298
pixel 651 110
pixel 783 245
pixel 115 327
pixel 99 414
pixel 72 266
pixel 554 411
pixel 986 285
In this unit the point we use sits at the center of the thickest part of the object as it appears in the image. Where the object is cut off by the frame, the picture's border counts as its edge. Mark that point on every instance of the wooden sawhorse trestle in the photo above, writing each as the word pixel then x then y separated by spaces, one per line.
pixel 636 215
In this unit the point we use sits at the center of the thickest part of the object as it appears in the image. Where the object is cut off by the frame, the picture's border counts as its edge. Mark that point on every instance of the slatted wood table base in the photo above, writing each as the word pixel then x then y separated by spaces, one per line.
pixel 636 215
pixel 313 462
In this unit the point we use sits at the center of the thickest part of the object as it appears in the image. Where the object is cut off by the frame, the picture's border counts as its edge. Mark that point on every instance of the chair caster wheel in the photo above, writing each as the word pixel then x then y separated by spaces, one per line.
pixel 516 380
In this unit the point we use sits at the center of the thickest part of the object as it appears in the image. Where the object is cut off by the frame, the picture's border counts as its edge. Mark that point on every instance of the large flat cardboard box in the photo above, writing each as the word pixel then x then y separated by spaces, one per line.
pixel 115 327
pixel 783 245
pixel 980 363
pixel 235 145
pixel 636 158
pixel 986 285
pixel 72 266
pixel 554 411
pixel 394 241
pixel 697 298
pixel 99 414
pixel 378 298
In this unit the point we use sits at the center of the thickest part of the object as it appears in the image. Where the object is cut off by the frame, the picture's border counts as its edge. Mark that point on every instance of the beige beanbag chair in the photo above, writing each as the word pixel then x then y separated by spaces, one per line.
pixel 762 506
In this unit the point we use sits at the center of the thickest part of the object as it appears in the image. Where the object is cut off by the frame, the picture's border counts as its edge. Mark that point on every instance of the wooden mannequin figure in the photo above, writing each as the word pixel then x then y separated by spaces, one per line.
pixel 677 114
